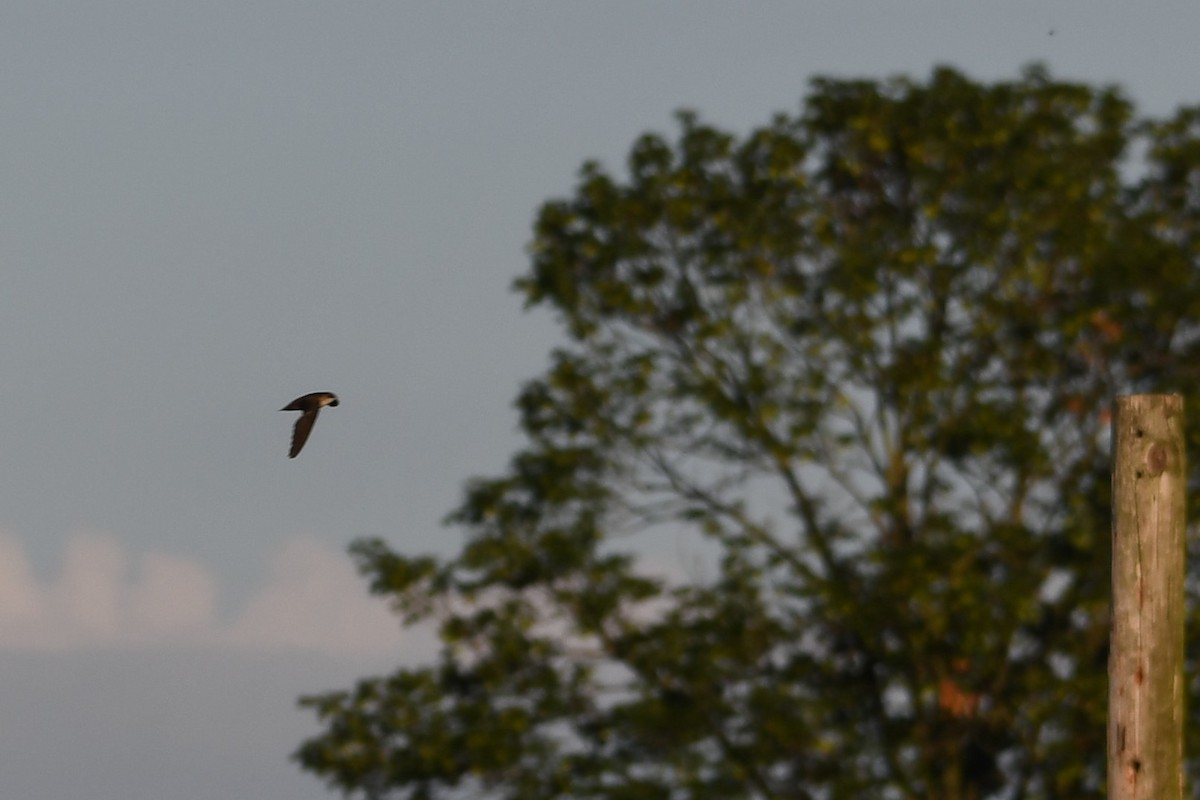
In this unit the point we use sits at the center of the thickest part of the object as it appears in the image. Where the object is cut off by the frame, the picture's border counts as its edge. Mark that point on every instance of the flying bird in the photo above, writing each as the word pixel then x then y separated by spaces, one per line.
pixel 310 405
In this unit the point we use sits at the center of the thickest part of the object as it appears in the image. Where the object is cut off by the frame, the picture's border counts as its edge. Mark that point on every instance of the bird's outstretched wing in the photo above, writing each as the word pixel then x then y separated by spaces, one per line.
pixel 300 433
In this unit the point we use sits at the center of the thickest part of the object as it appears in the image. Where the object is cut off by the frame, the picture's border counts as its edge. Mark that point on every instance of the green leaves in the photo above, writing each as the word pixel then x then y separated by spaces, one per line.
pixel 861 360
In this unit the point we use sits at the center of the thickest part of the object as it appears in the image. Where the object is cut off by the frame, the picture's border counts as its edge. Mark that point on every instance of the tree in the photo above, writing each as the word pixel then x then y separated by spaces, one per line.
pixel 866 354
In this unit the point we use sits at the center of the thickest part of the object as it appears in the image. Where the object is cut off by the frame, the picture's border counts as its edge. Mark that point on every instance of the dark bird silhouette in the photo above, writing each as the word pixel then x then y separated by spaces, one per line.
pixel 310 405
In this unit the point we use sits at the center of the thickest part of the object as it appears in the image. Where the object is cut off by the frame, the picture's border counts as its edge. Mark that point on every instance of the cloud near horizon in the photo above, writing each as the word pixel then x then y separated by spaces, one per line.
pixel 311 599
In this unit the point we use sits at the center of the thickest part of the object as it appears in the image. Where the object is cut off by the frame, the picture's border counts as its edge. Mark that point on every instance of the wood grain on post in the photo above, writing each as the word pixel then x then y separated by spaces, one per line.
pixel 1145 664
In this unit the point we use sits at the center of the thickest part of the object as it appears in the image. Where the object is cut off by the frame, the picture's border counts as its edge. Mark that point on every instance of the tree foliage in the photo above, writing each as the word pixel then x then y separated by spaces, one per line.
pixel 864 357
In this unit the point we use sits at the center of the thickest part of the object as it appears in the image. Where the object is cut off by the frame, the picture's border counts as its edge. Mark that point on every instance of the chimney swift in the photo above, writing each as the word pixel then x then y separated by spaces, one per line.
pixel 310 404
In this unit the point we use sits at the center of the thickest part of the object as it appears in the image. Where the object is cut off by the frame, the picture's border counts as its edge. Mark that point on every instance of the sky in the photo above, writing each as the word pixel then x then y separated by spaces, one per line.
pixel 208 209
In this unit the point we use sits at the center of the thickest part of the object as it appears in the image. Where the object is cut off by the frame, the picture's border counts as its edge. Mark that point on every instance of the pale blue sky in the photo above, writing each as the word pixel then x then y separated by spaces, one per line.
pixel 207 209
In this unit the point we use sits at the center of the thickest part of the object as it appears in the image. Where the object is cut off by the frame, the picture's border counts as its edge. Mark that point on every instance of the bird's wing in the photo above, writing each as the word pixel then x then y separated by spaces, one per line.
pixel 300 403
pixel 300 433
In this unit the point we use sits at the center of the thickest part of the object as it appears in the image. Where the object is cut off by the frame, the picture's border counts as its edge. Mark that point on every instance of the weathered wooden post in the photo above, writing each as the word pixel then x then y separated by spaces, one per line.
pixel 1145 664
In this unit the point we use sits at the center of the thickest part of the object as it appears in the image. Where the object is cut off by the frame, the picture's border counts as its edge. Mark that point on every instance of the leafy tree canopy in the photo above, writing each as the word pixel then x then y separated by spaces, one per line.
pixel 867 354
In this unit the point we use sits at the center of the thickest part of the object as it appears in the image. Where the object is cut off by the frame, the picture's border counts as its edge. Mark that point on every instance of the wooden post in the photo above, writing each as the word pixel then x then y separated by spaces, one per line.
pixel 1145 663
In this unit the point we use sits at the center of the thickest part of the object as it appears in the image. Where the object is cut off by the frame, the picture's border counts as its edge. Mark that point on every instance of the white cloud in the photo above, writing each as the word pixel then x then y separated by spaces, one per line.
pixel 21 603
pixel 174 596
pixel 89 593
pixel 311 599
